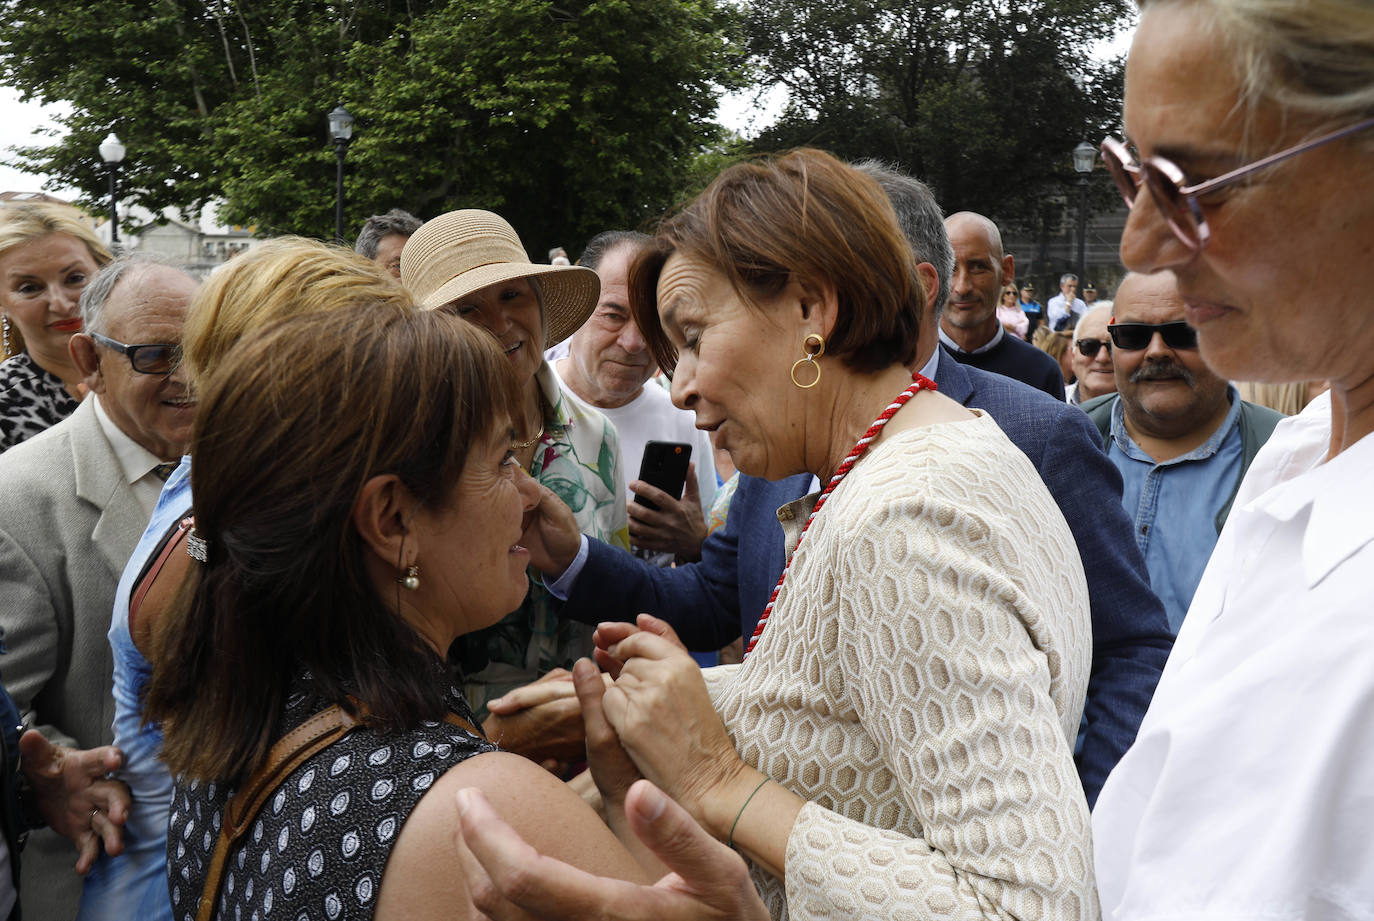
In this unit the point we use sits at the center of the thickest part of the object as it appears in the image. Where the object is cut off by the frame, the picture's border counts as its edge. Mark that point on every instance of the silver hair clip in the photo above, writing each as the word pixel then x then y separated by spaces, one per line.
pixel 197 547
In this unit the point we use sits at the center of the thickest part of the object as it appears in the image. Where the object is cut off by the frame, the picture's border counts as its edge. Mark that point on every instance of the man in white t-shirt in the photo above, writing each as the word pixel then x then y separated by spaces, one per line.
pixel 608 367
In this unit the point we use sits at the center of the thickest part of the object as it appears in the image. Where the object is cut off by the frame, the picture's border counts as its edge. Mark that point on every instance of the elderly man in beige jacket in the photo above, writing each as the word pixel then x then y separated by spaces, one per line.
pixel 74 502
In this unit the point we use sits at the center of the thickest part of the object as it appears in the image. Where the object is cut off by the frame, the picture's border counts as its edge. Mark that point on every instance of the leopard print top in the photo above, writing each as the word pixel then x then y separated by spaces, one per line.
pixel 31 400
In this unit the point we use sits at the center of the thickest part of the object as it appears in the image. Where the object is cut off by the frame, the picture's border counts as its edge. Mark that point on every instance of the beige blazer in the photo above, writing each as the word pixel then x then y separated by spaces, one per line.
pixel 68 524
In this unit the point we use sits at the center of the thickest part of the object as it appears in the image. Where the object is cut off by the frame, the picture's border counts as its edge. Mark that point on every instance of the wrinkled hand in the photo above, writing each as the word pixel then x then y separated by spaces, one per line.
pixel 611 632
pixel 677 527
pixel 541 720
pixel 74 796
pixel 551 534
pixel 511 881
pixel 662 713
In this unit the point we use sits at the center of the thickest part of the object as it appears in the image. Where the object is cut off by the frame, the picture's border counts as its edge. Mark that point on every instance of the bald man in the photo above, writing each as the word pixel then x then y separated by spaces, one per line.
pixel 969 328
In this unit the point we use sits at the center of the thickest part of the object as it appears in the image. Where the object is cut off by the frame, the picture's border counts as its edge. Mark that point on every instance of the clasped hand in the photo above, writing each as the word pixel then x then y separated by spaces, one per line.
pixel 658 720
pixel 75 794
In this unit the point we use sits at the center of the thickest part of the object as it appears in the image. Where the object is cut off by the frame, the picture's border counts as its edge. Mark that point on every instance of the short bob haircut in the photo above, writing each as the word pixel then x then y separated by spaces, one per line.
pixel 281 278
pixel 24 222
pixel 802 215
pixel 291 424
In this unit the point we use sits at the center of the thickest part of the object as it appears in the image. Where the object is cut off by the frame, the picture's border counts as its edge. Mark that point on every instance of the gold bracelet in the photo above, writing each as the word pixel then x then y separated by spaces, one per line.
pixel 730 841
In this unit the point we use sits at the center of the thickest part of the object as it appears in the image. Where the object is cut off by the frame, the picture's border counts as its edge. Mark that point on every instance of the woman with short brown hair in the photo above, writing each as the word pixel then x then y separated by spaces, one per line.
pixel 358 507
pixel 899 736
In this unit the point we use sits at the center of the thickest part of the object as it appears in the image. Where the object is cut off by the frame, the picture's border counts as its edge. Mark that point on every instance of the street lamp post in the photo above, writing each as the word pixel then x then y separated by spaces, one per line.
pixel 1083 156
pixel 112 152
pixel 341 130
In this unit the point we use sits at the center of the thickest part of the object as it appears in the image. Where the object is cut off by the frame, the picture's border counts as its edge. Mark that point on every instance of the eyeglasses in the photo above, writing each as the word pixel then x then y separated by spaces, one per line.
pixel 154 358
pixel 1089 348
pixel 1179 202
pixel 1132 337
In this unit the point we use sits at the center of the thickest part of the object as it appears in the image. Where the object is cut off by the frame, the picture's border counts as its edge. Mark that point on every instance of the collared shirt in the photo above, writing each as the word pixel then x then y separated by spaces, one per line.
pixel 985 347
pixel 1246 794
pixel 1175 504
pixel 136 461
pixel 1061 314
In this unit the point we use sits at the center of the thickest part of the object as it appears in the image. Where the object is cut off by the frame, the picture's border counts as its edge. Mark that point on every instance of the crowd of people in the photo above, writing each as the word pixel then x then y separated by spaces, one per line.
pixel 339 584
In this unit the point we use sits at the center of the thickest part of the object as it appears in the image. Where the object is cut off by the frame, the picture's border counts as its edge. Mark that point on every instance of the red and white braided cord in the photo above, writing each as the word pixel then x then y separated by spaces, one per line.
pixel 919 383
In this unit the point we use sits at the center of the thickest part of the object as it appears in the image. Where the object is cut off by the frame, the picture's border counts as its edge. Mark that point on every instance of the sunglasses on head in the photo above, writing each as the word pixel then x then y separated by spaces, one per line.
pixel 1089 348
pixel 1132 337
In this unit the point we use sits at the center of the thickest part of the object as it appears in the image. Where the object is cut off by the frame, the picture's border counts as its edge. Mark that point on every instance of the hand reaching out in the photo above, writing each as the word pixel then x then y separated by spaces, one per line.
pixel 75 795
pixel 511 881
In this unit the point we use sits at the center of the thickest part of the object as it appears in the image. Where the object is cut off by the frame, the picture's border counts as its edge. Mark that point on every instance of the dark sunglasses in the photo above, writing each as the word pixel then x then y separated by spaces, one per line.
pixel 1089 348
pixel 155 358
pixel 1132 337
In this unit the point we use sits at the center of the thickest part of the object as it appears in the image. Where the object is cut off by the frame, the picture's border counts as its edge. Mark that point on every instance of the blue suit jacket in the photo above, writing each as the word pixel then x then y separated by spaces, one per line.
pixel 711 602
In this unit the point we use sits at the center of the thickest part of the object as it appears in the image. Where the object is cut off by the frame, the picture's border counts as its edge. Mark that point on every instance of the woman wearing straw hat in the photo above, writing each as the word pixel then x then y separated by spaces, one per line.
pixel 472 263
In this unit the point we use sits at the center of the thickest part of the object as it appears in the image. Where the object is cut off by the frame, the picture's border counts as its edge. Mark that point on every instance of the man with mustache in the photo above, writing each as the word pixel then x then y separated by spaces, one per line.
pixel 76 498
pixel 1180 435
pixel 608 368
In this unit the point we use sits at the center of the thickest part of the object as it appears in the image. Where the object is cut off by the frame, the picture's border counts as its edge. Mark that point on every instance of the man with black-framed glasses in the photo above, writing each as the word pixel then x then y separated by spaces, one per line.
pixel 1180 435
pixel 75 502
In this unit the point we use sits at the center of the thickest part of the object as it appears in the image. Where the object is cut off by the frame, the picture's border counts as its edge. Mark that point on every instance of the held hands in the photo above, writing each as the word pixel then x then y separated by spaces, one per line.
pixel 677 527
pixel 542 721
pixel 75 795
pixel 551 534
pixel 660 711
pixel 510 881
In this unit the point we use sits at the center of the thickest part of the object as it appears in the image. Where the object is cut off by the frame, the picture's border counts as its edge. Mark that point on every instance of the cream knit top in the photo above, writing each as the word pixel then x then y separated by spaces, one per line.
pixel 920 683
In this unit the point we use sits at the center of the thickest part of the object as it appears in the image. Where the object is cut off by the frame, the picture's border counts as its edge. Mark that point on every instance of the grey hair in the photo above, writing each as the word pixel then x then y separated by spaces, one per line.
pixel 1099 307
pixel 1313 58
pixel 920 217
pixel 384 225
pixel 1067 276
pixel 98 290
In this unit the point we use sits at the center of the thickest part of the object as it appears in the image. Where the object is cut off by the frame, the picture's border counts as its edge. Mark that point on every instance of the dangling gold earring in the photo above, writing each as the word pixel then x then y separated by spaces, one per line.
pixel 813 347
pixel 411 580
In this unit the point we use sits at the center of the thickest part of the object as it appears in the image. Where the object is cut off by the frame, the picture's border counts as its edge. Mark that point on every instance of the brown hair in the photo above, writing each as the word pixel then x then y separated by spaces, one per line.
pixel 280 278
pixel 292 423
pixel 24 222
pixel 802 215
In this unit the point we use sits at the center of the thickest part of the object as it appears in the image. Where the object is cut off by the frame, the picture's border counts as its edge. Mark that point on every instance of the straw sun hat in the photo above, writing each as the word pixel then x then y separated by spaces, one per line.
pixel 464 251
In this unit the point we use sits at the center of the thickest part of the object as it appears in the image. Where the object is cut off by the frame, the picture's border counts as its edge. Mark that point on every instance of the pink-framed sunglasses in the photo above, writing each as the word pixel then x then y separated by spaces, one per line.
pixel 1179 202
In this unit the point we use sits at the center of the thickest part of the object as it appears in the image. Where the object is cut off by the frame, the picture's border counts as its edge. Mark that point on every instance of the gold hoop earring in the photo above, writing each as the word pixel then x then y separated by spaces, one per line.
pixel 411 580
pixel 814 347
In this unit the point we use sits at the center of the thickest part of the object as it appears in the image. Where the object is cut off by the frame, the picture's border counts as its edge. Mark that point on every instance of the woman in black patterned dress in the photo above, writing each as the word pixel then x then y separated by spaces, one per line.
pixel 359 507
pixel 47 255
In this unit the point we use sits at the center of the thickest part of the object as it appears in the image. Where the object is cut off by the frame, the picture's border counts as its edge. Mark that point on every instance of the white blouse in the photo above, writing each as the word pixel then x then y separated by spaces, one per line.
pixel 1249 792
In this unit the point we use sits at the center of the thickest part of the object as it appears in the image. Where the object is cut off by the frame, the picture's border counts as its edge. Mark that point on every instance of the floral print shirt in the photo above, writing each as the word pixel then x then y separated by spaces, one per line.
pixel 578 458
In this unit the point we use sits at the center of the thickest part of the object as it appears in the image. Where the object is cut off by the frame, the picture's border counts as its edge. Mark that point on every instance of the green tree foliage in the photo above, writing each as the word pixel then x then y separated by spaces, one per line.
pixel 567 117
pixel 982 99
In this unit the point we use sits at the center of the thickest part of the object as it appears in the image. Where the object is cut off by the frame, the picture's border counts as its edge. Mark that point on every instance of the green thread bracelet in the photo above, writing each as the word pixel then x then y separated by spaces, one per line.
pixel 730 841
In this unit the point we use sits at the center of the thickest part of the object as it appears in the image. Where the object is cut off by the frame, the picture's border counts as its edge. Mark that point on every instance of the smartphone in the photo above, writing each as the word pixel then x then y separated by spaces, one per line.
pixel 665 466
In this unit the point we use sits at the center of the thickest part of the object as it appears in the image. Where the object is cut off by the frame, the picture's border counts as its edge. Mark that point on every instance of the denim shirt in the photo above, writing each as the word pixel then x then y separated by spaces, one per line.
pixel 1174 504
pixel 134 884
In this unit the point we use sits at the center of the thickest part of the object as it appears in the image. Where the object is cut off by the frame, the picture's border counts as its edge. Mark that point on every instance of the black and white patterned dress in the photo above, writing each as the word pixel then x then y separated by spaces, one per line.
pixel 320 843
pixel 31 400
